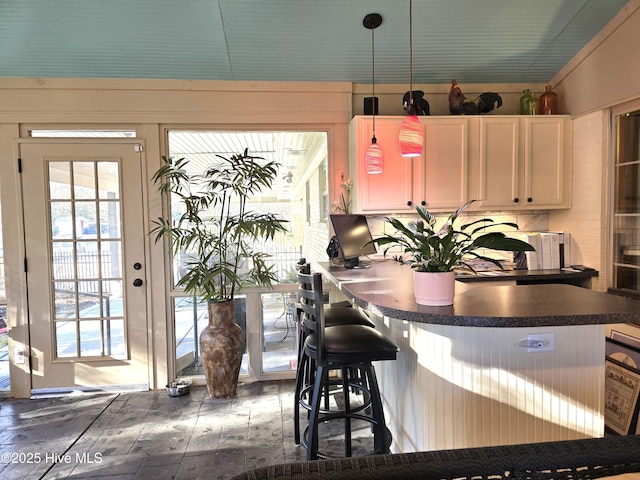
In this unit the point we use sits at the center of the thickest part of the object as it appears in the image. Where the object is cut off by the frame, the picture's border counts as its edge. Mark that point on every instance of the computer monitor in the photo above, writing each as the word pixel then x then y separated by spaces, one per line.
pixel 352 232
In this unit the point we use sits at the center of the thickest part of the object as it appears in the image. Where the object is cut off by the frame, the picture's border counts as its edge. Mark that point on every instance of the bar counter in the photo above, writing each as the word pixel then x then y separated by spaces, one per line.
pixel 387 289
pixel 465 375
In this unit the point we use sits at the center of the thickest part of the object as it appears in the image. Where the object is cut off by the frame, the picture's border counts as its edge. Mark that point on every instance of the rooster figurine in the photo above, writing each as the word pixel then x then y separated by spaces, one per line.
pixel 420 104
pixel 484 103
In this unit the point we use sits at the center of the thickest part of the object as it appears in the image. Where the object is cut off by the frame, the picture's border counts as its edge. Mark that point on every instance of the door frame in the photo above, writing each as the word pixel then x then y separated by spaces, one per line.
pixel 19 338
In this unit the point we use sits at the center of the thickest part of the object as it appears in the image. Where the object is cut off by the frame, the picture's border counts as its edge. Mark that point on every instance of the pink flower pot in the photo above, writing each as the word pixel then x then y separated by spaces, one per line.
pixel 434 288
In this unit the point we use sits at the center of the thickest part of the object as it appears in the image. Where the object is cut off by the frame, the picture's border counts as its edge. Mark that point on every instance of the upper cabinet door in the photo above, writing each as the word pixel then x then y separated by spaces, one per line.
pixel 444 178
pixel 546 162
pixel 499 159
pixel 392 190
pixel 524 162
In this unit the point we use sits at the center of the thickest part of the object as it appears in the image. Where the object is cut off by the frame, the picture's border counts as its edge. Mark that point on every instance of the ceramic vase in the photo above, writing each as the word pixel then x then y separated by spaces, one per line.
pixel 221 349
pixel 434 288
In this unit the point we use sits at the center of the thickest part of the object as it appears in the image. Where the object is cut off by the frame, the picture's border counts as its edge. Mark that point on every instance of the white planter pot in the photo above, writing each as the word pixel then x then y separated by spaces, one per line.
pixel 434 288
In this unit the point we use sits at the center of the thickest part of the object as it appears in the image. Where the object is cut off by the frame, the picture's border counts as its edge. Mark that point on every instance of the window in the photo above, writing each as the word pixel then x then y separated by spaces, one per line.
pixel 299 196
pixel 626 213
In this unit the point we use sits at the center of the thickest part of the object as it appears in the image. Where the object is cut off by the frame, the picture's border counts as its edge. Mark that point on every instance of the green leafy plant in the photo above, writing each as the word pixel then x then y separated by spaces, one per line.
pixel 442 249
pixel 216 230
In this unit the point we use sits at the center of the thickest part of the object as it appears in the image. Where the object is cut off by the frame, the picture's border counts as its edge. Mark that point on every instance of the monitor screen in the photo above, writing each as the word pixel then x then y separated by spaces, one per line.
pixel 352 232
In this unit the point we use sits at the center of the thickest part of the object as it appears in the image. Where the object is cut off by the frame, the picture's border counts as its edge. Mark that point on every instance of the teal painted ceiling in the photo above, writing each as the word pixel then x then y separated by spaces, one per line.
pixel 474 41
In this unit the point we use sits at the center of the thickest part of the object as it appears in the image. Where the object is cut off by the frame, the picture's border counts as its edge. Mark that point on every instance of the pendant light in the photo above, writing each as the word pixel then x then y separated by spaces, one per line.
pixel 373 158
pixel 411 134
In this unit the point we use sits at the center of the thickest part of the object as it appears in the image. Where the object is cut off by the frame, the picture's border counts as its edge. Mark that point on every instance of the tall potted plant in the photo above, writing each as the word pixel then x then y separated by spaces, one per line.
pixel 435 252
pixel 216 231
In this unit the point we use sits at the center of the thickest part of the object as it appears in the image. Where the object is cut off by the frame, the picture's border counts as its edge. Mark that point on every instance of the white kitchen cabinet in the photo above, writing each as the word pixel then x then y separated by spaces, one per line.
pixel 503 161
pixel 524 162
pixel 436 180
pixel 392 190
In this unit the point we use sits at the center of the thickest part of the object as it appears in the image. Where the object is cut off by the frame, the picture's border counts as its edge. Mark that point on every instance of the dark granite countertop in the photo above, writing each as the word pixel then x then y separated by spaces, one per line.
pixel 387 288
pixel 526 276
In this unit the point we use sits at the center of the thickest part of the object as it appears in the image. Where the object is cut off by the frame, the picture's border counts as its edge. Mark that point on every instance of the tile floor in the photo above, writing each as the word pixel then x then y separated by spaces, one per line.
pixel 142 435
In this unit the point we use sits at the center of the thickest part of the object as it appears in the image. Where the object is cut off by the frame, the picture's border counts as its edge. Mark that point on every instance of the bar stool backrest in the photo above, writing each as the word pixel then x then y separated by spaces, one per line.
pixel 311 304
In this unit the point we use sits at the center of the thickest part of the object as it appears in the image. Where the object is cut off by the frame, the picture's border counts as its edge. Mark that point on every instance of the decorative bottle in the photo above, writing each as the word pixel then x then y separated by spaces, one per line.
pixel 534 105
pixel 524 102
pixel 549 102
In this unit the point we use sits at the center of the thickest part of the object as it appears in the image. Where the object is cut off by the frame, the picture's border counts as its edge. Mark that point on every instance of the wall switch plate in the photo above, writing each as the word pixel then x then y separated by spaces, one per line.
pixel 19 355
pixel 541 342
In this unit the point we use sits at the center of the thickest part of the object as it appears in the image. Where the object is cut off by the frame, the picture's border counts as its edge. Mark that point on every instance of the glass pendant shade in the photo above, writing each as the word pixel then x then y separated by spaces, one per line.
pixel 373 159
pixel 411 137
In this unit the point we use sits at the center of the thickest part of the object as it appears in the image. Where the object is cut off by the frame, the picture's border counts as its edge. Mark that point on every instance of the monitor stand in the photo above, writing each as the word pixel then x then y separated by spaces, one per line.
pixel 356 263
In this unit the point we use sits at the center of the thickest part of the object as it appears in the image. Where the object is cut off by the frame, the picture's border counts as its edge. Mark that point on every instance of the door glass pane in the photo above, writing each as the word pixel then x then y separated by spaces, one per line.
pixel 87 263
pixel 627 198
pixel 86 252
pixel 64 260
pixel 108 180
pixel 65 299
pixel 60 178
pixel 86 215
pixel 66 339
pixel 90 338
pixel 110 226
pixel 627 240
pixel 84 180
pixel 114 338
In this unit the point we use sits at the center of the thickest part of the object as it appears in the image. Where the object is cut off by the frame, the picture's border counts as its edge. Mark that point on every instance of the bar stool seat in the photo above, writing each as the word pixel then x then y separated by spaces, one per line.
pixel 334 316
pixel 352 344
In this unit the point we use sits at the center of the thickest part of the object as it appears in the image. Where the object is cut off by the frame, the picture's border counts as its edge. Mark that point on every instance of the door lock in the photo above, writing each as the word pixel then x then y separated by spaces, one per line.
pixel 137 282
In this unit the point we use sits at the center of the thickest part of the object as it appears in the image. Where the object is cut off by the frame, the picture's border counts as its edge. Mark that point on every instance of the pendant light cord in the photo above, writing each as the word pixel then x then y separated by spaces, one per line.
pixel 410 108
pixel 373 80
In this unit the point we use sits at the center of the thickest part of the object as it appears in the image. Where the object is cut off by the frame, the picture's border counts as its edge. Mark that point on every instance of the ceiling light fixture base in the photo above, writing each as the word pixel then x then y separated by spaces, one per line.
pixel 372 20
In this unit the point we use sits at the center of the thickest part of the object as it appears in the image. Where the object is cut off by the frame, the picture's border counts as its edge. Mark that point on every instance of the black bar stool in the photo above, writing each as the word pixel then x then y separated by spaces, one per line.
pixel 334 316
pixel 351 349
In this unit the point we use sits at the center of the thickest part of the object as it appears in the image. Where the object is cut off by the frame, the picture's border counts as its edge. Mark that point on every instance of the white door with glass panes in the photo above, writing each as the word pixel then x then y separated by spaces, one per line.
pixel 84 244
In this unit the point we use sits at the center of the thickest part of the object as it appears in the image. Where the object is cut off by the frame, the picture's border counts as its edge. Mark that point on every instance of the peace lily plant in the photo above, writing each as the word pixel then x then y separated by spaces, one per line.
pixel 442 249
pixel 435 252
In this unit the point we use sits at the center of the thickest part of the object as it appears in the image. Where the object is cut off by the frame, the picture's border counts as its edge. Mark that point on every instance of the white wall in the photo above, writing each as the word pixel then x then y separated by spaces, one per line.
pixel 587 218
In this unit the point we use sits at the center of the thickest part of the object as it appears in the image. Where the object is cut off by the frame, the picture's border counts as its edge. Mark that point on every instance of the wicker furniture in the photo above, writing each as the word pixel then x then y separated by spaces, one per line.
pixel 570 459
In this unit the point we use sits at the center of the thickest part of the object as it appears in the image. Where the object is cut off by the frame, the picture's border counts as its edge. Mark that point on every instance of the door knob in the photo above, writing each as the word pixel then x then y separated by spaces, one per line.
pixel 137 282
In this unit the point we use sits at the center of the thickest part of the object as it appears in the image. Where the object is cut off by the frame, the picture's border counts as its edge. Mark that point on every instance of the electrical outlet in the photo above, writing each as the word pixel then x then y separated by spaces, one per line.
pixel 541 342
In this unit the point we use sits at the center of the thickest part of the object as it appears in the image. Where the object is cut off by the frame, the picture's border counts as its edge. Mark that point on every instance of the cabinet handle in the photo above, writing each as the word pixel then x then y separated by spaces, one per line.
pixel 516 200
pixel 409 203
pixel 529 199
pixel 423 203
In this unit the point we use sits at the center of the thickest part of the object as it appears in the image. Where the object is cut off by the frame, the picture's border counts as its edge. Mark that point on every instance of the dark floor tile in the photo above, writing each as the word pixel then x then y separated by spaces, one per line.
pixel 149 435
